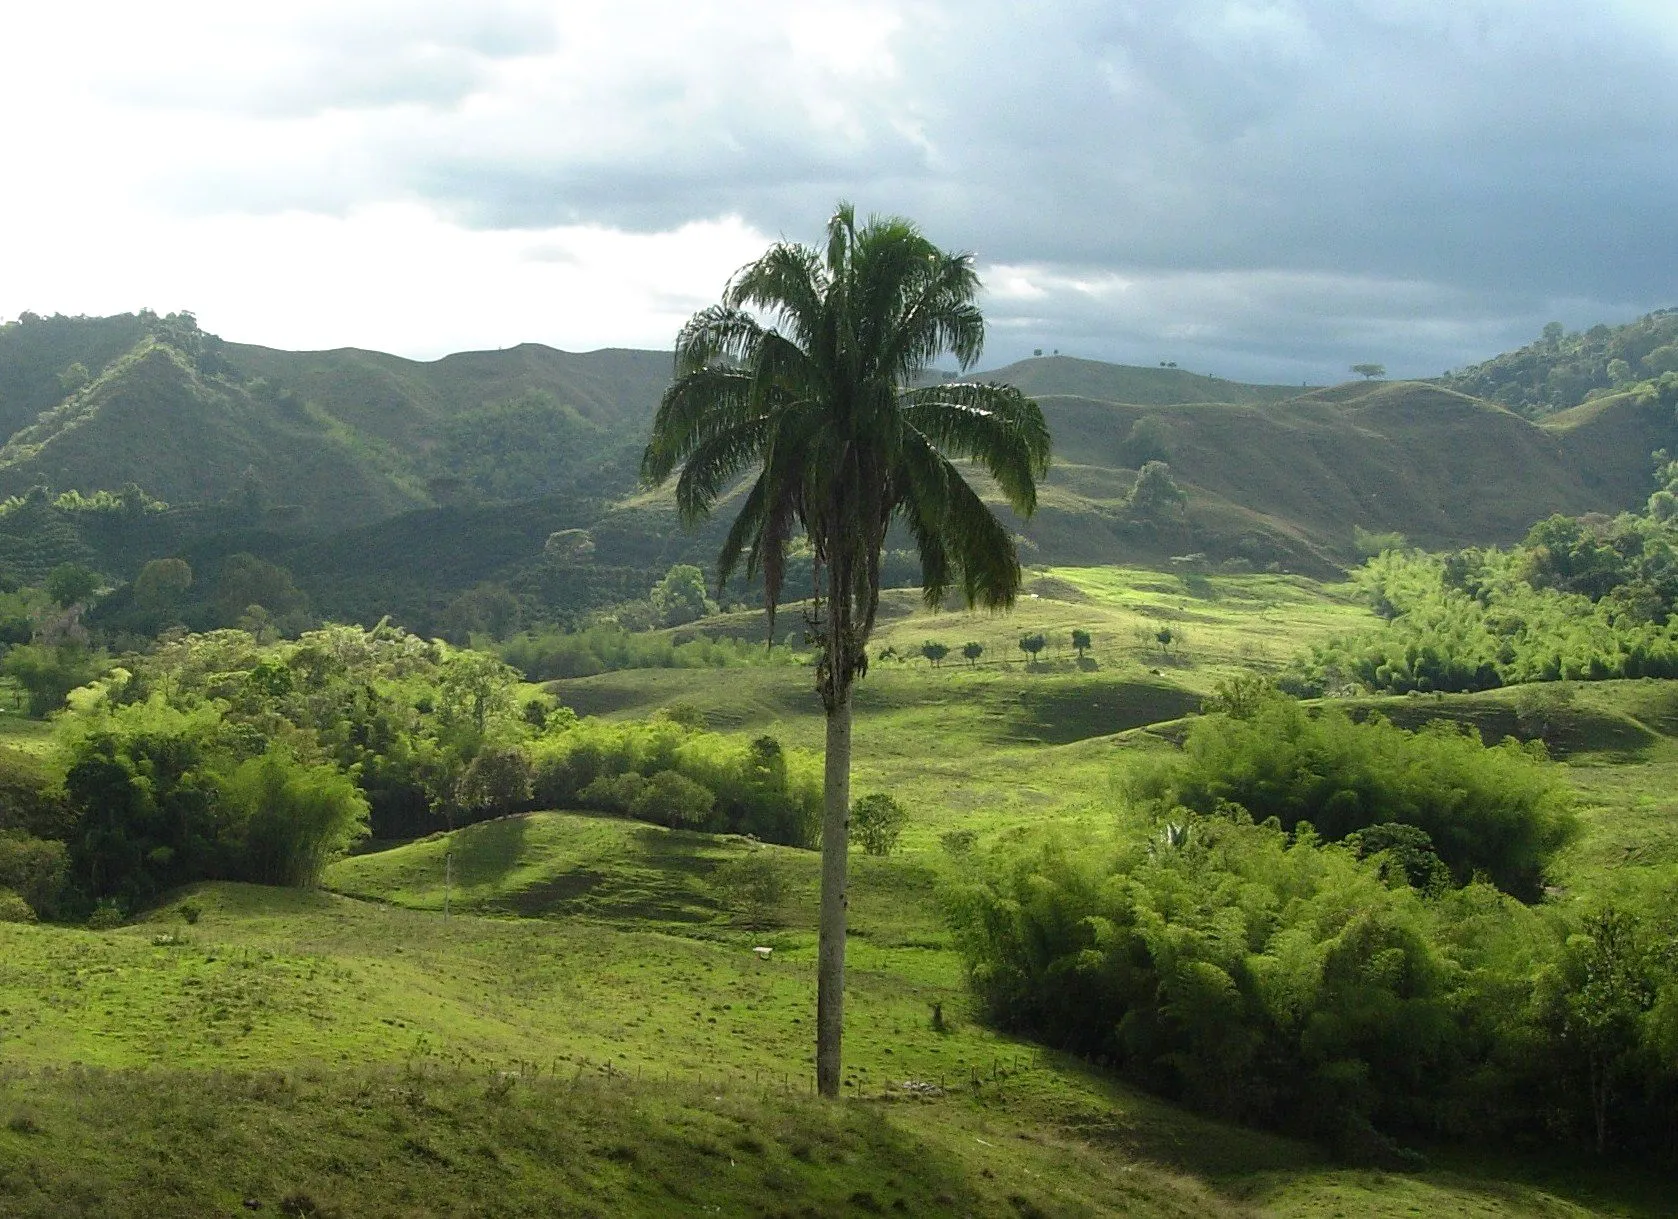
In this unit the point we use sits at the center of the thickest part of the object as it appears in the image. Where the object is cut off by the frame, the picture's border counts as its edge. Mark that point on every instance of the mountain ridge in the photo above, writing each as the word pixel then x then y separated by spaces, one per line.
pixel 293 454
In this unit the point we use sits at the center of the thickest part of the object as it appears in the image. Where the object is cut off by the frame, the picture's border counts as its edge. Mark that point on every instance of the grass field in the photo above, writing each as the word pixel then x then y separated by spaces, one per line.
pixel 591 1032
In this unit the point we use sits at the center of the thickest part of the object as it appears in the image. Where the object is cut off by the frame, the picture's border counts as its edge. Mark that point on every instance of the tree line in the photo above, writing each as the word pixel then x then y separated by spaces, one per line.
pixel 219 755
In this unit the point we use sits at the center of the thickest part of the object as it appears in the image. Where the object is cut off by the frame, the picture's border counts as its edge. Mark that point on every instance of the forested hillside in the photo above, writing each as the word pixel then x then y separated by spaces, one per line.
pixel 383 485
pixel 1561 369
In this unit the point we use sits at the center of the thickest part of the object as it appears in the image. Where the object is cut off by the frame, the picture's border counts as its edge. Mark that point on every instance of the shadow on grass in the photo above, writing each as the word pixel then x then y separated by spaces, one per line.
pixel 484 853
pixel 652 875
pixel 1256 1166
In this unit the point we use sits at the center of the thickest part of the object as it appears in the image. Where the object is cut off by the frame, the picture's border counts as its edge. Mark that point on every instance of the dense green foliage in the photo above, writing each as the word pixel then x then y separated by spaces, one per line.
pixel 1500 812
pixel 222 756
pixel 716 782
pixel 1578 599
pixel 1560 369
pixel 877 820
pixel 1278 979
pixel 551 654
pixel 519 449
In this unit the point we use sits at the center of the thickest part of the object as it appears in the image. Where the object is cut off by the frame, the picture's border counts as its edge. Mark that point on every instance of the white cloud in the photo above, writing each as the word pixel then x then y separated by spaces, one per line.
pixel 1283 182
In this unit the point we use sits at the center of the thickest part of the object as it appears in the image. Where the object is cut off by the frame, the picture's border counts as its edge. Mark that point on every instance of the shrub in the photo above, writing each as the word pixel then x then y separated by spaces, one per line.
pixel 13 909
pixel 107 914
pixel 34 869
pixel 671 799
pixel 877 821
pixel 290 820
pixel 958 842
pixel 1503 811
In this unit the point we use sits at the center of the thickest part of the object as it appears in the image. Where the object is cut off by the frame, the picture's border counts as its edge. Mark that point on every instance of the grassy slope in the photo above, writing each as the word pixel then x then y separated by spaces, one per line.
pixel 1439 467
pixel 1067 375
pixel 343 1049
pixel 154 420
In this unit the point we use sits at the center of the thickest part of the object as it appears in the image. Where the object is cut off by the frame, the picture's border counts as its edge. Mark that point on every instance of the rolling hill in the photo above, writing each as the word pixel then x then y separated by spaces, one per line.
pixel 389 482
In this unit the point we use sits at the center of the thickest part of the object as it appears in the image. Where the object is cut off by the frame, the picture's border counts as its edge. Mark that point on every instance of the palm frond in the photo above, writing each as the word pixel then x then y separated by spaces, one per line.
pixel 716 333
pixel 995 425
pixel 714 463
pixel 695 407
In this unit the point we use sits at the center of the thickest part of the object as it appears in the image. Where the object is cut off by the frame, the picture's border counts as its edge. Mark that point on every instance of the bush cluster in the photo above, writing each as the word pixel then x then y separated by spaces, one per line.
pixel 1275 978
pixel 550 655
pixel 726 783
pixel 1578 599
pixel 1501 812
pixel 220 756
pixel 1299 926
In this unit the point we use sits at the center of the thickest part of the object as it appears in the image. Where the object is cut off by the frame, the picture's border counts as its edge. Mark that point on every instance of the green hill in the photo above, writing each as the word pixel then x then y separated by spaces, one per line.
pixel 395 485
pixel 1559 370
pixel 337 438
pixel 1067 375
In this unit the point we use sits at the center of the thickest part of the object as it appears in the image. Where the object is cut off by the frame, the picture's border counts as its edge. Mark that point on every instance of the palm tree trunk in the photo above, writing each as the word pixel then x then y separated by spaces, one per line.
pixel 830 954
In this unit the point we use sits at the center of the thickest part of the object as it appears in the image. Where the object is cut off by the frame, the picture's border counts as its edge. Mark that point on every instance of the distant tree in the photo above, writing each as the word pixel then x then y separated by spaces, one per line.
pixel 1032 644
pixel 878 820
pixel 71 584
pixel 162 584
pixel 48 674
pixel 569 545
pixel 673 799
pixel 680 596
pixel 474 687
pixel 74 378
pixel 489 608
pixel 246 580
pixel 1553 332
pixel 1619 372
pixel 1149 439
pixel 1080 642
pixel 1662 360
pixel 1609 987
pixel 497 781
pixel 1154 493
pixel 972 651
pixel 1370 371
pixel 935 652
pixel 1369 544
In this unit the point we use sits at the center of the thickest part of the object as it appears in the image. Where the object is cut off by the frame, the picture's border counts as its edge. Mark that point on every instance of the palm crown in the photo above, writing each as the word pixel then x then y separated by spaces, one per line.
pixel 822 394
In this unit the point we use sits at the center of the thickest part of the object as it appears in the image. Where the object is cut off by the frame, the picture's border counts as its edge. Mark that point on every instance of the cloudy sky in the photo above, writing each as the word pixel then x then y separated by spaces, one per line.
pixel 1269 191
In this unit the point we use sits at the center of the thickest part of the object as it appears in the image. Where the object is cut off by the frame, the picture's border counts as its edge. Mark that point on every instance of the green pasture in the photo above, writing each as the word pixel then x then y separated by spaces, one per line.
pixel 590 1030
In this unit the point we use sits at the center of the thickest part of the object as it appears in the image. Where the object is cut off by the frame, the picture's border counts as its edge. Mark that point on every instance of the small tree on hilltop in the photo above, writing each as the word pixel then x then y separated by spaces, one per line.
pixel 1370 371
pixel 935 652
pixel 1081 642
pixel 972 651
pixel 878 821
pixel 1032 644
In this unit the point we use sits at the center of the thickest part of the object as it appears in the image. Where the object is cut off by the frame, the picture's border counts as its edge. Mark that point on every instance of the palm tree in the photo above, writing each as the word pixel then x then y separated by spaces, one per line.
pixel 811 372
